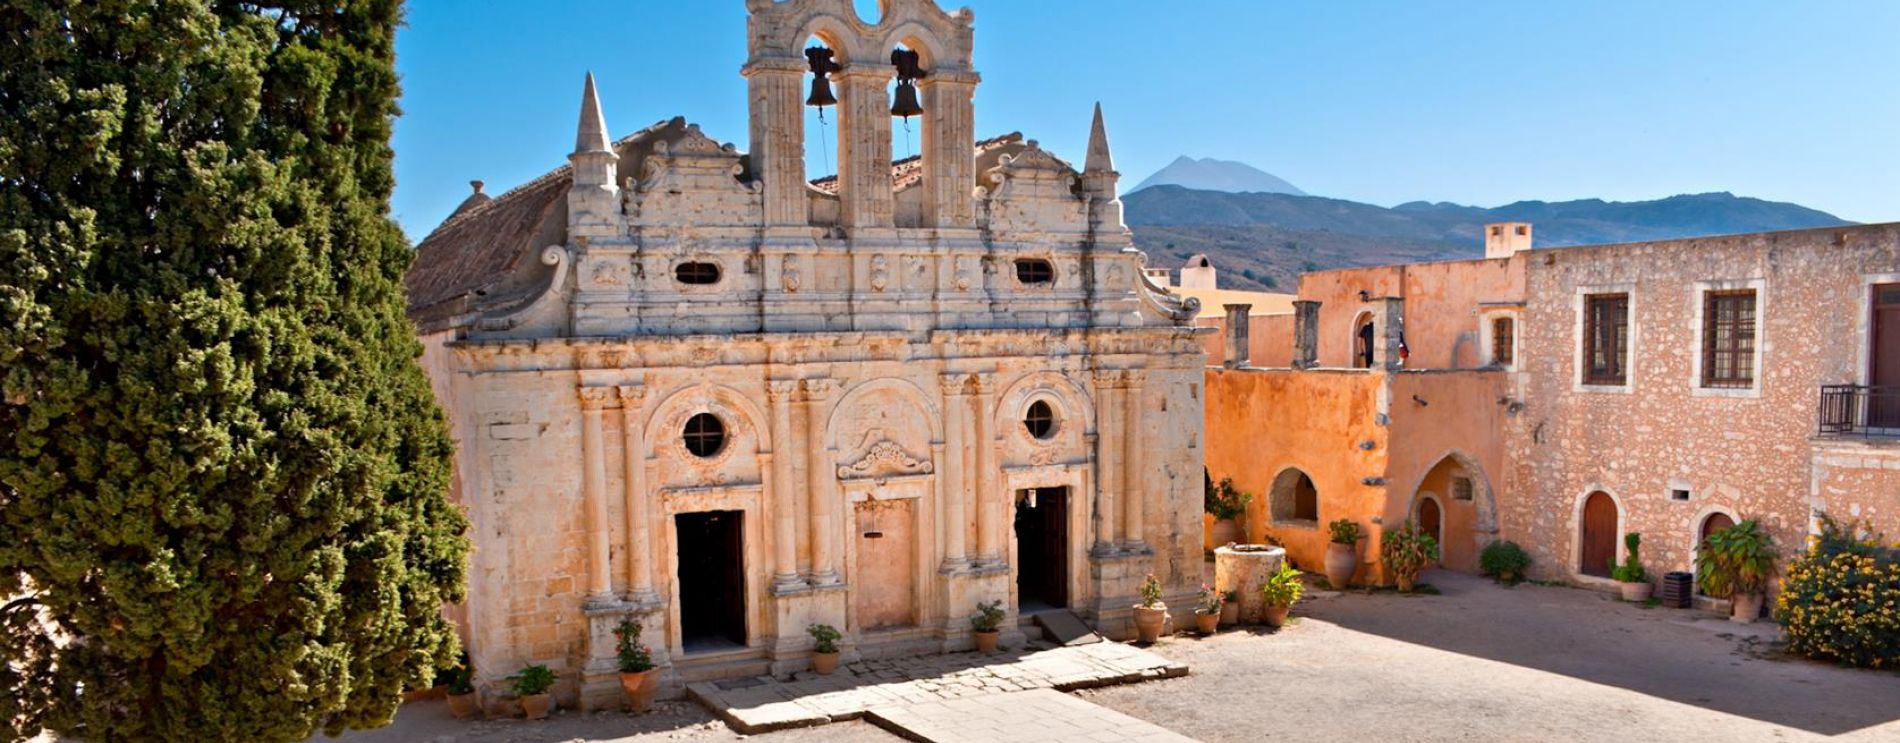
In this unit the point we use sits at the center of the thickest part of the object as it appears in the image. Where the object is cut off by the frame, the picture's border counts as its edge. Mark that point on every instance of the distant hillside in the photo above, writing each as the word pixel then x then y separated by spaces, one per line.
pixel 1218 175
pixel 1264 241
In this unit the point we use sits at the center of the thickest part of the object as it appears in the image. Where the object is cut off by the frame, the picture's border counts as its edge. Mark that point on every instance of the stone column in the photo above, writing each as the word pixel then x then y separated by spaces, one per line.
pixel 1134 447
pixel 1235 335
pixel 594 403
pixel 783 497
pixel 778 138
pixel 949 148
pixel 1391 333
pixel 824 476
pixel 864 146
pixel 950 473
pixel 1305 333
pixel 1106 433
pixel 989 502
pixel 639 511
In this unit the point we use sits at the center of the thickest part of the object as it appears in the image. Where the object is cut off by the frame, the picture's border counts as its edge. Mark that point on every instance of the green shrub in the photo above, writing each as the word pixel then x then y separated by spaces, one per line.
pixel 825 637
pixel 1631 571
pixel 1841 600
pixel 988 617
pixel 1151 593
pixel 1345 531
pixel 532 680
pixel 1406 551
pixel 1738 559
pixel 1503 557
pixel 1283 588
pixel 1225 501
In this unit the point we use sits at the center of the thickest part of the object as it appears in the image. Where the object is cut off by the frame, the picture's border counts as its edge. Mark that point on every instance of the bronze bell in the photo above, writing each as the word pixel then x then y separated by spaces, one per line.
pixel 819 59
pixel 821 93
pixel 906 104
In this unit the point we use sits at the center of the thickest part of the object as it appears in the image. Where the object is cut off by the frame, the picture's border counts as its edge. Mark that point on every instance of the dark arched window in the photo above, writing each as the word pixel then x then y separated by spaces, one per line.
pixel 1035 271
pixel 1040 420
pixel 697 272
pixel 705 435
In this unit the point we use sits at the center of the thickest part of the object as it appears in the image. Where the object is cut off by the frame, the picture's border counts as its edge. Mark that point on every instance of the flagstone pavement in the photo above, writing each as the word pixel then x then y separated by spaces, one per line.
pixel 928 692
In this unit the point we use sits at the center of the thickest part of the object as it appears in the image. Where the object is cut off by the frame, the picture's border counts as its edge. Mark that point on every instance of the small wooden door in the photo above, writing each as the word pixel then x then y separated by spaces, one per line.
pixel 1712 524
pixel 1431 522
pixel 1599 535
pixel 885 589
pixel 1883 410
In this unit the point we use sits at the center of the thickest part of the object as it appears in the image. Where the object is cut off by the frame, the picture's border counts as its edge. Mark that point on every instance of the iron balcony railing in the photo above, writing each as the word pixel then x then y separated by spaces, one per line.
pixel 1860 410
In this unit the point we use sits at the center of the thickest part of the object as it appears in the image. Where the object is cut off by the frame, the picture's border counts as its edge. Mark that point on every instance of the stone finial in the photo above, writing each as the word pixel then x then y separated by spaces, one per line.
pixel 592 136
pixel 476 186
pixel 1099 159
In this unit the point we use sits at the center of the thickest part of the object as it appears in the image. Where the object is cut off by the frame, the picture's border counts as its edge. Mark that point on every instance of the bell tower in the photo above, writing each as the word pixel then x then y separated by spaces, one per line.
pixel 777 67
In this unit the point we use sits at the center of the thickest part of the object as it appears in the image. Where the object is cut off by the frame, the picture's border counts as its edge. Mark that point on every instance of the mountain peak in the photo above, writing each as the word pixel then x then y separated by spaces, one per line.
pixel 1209 174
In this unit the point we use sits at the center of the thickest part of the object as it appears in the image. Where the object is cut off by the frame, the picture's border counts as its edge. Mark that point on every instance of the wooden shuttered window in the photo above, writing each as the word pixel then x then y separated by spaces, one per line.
pixel 1606 339
pixel 1728 338
pixel 1503 341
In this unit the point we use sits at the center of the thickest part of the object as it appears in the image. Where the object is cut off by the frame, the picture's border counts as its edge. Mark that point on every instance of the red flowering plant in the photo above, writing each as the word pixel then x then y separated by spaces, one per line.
pixel 634 657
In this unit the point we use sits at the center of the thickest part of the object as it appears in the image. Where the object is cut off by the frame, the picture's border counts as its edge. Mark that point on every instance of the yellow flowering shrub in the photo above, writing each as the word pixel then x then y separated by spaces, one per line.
pixel 1841 600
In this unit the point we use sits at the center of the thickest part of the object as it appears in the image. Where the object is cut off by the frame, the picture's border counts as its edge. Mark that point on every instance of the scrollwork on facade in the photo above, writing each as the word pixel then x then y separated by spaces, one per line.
pixel 885 459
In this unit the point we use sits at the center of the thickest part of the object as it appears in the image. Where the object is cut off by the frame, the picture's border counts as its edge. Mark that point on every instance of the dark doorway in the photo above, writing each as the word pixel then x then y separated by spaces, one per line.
pixel 1883 406
pixel 711 580
pixel 1042 549
pixel 1431 522
pixel 1599 535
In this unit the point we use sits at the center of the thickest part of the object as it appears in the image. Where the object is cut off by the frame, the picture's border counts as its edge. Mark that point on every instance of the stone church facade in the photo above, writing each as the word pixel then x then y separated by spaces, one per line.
pixel 691 388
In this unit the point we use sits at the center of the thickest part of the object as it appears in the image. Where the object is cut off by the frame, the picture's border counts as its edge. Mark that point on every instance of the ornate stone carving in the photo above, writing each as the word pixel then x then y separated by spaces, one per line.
pixel 961 278
pixel 610 273
pixel 884 459
pixel 596 398
pixel 781 389
pixel 789 275
pixel 880 272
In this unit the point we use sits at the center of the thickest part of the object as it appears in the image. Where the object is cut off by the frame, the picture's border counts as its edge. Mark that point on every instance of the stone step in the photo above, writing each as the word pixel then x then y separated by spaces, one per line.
pixel 1063 627
pixel 722 666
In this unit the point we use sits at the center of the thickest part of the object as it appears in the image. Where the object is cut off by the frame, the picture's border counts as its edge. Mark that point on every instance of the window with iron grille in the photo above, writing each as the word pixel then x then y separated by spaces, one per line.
pixel 1728 338
pixel 1035 271
pixel 695 272
pixel 1461 488
pixel 1503 341
pixel 1040 420
pixel 705 435
pixel 1606 339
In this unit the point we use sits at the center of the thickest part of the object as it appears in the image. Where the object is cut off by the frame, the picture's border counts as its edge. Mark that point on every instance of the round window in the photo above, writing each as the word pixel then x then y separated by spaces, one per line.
pixel 705 435
pixel 1040 420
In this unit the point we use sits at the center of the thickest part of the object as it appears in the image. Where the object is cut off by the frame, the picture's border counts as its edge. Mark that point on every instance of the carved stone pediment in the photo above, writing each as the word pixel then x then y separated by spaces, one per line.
pixel 885 459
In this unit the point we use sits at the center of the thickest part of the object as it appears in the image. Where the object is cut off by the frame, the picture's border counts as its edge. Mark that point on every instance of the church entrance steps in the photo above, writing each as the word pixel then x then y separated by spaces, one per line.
pixel 761 704
pixel 695 667
pixel 1039 715
pixel 1063 627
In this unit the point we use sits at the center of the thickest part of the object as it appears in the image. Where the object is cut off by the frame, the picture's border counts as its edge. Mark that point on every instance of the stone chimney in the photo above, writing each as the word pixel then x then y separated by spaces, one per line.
pixel 1236 336
pixel 1305 333
pixel 1504 239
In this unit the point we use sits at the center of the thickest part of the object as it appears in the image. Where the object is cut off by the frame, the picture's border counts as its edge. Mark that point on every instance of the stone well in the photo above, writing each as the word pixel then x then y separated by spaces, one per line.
pixel 1245 568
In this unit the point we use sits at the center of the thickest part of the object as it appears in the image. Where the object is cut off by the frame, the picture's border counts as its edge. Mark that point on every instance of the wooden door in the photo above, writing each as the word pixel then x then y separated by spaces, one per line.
pixel 884 591
pixel 1042 548
pixel 1431 522
pixel 1883 407
pixel 1599 535
pixel 711 579
pixel 1715 522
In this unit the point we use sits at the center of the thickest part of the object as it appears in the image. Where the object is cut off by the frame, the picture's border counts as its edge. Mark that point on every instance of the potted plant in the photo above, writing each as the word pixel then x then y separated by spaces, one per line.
pixel 1225 503
pixel 824 651
pixel 1737 562
pixel 461 683
pixel 638 678
pixel 1150 614
pixel 1406 551
pixel 531 685
pixel 987 622
pixel 1630 576
pixel 1342 555
pixel 1504 560
pixel 1280 591
pixel 1230 608
pixel 1207 610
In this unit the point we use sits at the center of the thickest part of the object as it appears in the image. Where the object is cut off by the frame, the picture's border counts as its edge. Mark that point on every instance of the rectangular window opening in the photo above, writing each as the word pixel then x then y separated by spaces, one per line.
pixel 1678 494
pixel 1606 338
pixel 1728 339
pixel 1503 341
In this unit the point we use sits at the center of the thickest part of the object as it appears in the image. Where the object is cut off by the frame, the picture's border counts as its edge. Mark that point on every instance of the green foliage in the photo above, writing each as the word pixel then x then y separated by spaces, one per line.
pixel 825 638
pixel 1345 531
pixel 1631 571
pixel 1737 559
pixel 988 616
pixel 1151 593
pixel 460 677
pixel 1209 601
pixel 1841 600
pixel 224 478
pixel 634 657
pixel 532 680
pixel 1225 501
pixel 1503 557
pixel 1283 588
pixel 1406 551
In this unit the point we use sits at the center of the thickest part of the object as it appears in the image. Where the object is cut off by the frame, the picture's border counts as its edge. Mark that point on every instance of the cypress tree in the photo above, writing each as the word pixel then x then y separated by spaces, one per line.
pixel 223 476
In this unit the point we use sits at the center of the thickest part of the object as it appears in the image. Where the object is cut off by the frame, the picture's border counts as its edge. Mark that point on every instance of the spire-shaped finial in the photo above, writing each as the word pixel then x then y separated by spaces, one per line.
pixel 593 130
pixel 1099 160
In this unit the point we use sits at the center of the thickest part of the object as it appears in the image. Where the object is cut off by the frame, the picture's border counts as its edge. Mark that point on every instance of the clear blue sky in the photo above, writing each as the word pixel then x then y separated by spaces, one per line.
pixel 1475 102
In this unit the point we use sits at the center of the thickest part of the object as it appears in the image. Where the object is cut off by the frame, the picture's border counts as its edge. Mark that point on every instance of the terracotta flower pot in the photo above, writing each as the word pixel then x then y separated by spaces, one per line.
pixel 986 641
pixel 536 706
pixel 464 706
pixel 1276 615
pixel 1404 583
pixel 640 688
pixel 1744 608
pixel 1230 613
pixel 1206 624
pixel 1148 622
pixel 824 663
pixel 1341 563
pixel 1635 593
pixel 1224 532
pixel 1507 576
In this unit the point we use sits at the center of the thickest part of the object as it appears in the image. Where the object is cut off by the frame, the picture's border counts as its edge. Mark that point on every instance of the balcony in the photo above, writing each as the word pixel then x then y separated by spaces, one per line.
pixel 1852 410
